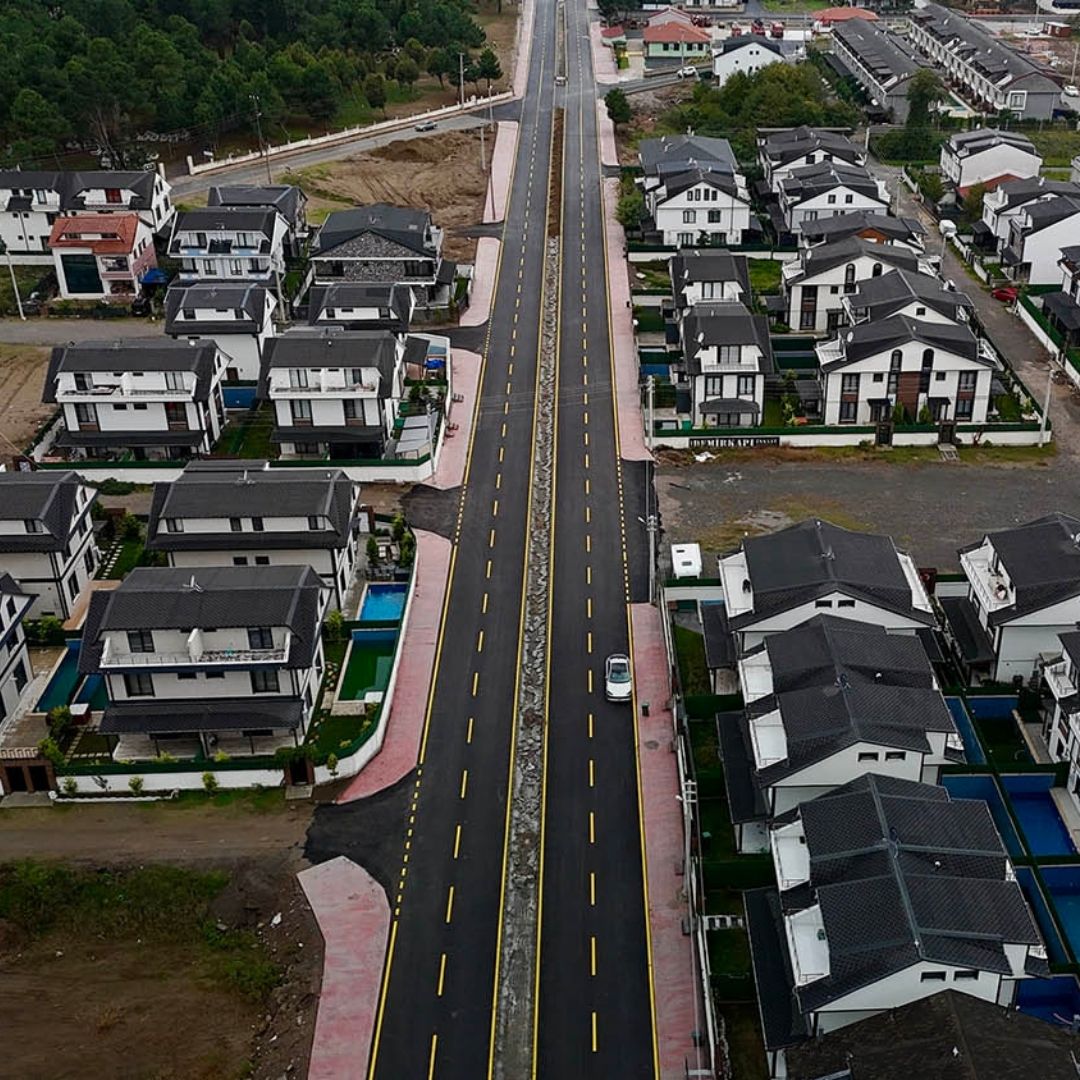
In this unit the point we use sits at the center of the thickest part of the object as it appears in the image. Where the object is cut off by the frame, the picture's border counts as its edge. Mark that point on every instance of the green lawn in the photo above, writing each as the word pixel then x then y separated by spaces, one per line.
pixel 653 275
pixel 791 7
pixel 248 437
pixel 744 1041
pixel 130 554
pixel 729 952
pixel 369 668
pixel 27 278
pixel 335 734
pixel 764 275
pixel 694 675
pixel 1057 146
pixel 774 413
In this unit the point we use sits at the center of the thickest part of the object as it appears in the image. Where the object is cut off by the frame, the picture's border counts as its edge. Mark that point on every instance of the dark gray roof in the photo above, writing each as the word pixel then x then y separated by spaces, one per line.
pixel 158 598
pixel 287 199
pixel 884 55
pixel 734 44
pixel 123 439
pixel 1042 215
pixel 745 798
pixel 811 180
pixel 966 143
pixel 247 490
pixel 725 406
pixel 834 253
pixel 1070 645
pixel 844 225
pixel 253 219
pixel 399 224
pixel 206 714
pixel 1064 309
pixel 394 301
pixel 882 335
pixel 680 152
pixel 70 185
pixel 332 347
pixel 1042 559
pixel 47 497
pixel 815 558
pixel 880 297
pixel 947 1036
pixel 724 322
pixel 719 642
pixel 1017 192
pixel 135 354
pixel 827 649
pixel 694 265
pixel 903 876
pixel 975 645
pixel 324 433
pixel 682 181
pixel 782 147
pixel 246 296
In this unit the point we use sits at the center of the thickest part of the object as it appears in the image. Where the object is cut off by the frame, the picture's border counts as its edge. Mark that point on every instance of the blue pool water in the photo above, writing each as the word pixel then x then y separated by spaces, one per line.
pixel 1040 821
pixel 983 787
pixel 383 603
pixel 972 747
pixel 1040 908
pixel 1049 999
pixel 61 688
pixel 1063 885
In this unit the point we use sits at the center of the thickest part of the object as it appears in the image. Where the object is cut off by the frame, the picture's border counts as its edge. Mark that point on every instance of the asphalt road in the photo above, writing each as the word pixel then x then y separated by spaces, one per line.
pixel 595 1009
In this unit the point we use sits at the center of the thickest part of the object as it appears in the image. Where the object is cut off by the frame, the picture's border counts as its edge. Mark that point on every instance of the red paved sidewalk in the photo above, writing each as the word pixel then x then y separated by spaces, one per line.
pixel 405 724
pixel 354 917
pixel 673 966
pixel 502 166
pixel 483 287
pixel 450 472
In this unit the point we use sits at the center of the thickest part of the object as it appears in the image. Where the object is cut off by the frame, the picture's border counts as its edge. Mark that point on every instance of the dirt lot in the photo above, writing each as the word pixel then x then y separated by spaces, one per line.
pixel 646 106
pixel 116 1005
pixel 441 174
pixel 22 376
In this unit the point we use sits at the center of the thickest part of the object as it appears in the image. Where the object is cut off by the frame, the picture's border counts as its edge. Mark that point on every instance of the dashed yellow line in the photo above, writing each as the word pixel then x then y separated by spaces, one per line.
pixel 468 731
pixel 480 642
pixel 592 889
pixel 475 682
pixel 442 975
pixel 464 783
pixel 457 839
pixel 491 538
pixel 592 773
pixel 590 725
pixel 449 905
pixel 484 604
pixel 431 1055
pixel 592 955
pixel 594 1043
pixel 488 571
pixel 592 827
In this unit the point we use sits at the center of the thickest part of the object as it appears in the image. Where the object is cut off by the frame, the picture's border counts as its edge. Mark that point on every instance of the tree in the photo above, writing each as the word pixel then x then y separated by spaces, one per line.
pixel 630 208
pixel 416 51
pixel 37 126
pixel 320 92
pixel 406 71
pixel 609 11
pixel 440 64
pixel 375 92
pixel 618 107
pixel 924 89
pixel 972 205
pixel 488 68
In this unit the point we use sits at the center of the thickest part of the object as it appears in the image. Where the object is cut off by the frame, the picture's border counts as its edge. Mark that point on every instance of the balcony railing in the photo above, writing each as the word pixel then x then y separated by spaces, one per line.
pixel 109 658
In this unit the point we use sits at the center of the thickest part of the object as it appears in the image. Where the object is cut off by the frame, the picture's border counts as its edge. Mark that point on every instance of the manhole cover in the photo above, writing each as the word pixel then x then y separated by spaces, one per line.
pixel 651 744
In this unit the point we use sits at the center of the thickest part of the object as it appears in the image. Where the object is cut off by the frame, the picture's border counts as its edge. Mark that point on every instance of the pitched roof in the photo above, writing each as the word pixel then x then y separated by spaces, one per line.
pixel 287 199
pixel 790 144
pixel 393 300
pixel 676 32
pixel 677 153
pixel 724 322
pixel 204 714
pixel 678 183
pixel 815 558
pixel 160 598
pixel 947 1036
pixel 730 45
pixel 884 55
pixel 843 14
pixel 834 253
pixel 249 489
pixel 254 219
pixel 883 335
pixel 966 143
pixel 1026 189
pixel 810 180
pixel 858 221
pixel 1042 215
pixel 116 233
pixel 697 265
pixel 248 297
pixel 70 185
pixel 399 224
pixel 332 347
pixel 135 354
pixel 883 296
pixel 47 497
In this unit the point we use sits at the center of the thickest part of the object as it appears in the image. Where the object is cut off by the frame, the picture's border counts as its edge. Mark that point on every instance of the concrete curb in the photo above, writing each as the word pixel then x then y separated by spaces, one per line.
pixel 483 290
pixel 450 472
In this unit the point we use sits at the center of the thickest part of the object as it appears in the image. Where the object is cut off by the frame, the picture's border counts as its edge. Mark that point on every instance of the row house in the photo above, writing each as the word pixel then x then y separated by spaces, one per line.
pixel 1008 201
pixel 385 245
pixel 243 513
pixel 225 659
pixel 782 152
pixel 237 316
pixel 873 225
pixel 1036 236
pixel 1062 728
pixel 335 393
pixel 154 400
pixel 362 307
pixel 701 275
pixel 880 62
pixel 1023 592
pixel 888 892
pixel 47 539
pixel 902 292
pixel 821 278
pixel 15 669
pixel 1062 309
pixel 745 55
pixel 991 74
pixel 727 355
pixel 989 157
pixel 287 199
pixel 828 190
pixel 933 370
pixel 31 201
pixel 229 243
pixel 101 256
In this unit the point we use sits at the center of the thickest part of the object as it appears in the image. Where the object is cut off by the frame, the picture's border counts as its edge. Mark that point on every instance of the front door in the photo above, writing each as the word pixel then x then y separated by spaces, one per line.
pixel 884 433
pixel 947 432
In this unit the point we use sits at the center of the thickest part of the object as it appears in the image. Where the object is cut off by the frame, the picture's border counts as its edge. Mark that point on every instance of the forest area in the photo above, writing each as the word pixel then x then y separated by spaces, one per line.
pixel 114 77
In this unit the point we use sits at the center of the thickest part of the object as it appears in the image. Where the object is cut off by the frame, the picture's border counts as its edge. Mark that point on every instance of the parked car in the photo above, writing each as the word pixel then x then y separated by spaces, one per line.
pixel 618 682
pixel 1071 91
pixel 688 72
pixel 1007 294
pixel 425 125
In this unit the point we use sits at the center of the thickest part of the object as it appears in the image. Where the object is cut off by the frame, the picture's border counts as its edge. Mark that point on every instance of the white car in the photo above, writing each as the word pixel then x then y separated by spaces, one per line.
pixel 425 125
pixel 688 72
pixel 1071 91
pixel 618 682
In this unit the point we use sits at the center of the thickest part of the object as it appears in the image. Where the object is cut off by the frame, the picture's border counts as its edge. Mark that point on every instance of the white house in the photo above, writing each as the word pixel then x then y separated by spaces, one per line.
pixel 1063 724
pixel 781 580
pixel 101 256
pixel 726 357
pixel 384 245
pixel 155 399
pixel 1009 200
pixel 225 659
pixel 287 199
pixel 243 513
pixel 888 892
pixel 902 292
pixel 747 53
pixel 818 281
pixel 828 190
pixel 237 316
pixel 782 152
pixel 989 157
pixel 47 539
pixel 15 669
pixel 223 243
pixel 31 201
pixel 700 208
pixel 872 225
pixel 701 275
pixel 933 369
pixel 1036 237
pixel 362 307
pixel 334 392
pixel 1023 593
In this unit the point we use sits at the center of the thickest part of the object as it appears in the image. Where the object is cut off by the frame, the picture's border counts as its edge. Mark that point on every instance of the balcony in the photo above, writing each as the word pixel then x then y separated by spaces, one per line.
pixel 830 352
pixel 194 657
pixel 1057 679
pixel 990 586
pixel 285 390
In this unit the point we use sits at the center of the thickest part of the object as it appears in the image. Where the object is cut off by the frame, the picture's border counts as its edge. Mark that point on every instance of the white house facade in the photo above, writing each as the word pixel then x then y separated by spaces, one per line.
pixel 701 209
pixel 101 256
pixel 229 244
pixel 1036 237
pixel 986 155
pixel 747 53
pixel 1008 201
pixel 15 669
pixel 829 190
pixel 783 152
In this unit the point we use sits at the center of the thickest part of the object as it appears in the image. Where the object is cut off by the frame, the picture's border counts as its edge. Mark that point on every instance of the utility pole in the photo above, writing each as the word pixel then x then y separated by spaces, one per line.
pixel 14 283
pixel 483 165
pixel 1076 52
pixel 650 398
pixel 1045 418
pixel 262 145
pixel 461 79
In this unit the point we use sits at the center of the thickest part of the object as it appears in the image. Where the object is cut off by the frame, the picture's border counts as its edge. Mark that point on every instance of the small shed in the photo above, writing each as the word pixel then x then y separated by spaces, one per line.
pixel 686 560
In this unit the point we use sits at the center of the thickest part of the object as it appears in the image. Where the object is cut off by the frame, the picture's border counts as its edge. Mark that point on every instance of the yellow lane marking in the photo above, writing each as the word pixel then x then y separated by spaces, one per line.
pixel 508 387
pixel 588 542
pixel 586 461
pixel 457 839
pixel 480 642
pixel 594 1031
pixel 590 724
pixel 450 905
pixel 442 975
pixel 431 1056
pixel 502 450
pixel 588 515
pixel 498 481
pixel 592 827
pixel 502 434
pixel 586 485
pixel 588 575
pixel 585 416
pixel 475 682
pixel 488 574
pixel 464 782
pixel 590 681
pixel 592 889
pixel 468 731
pixel 495 509
pixel 588 641
pixel 484 604
pixel 588 607
pixel 592 773
pixel 585 401
pixel 491 538
pixel 592 954
pixel 506 408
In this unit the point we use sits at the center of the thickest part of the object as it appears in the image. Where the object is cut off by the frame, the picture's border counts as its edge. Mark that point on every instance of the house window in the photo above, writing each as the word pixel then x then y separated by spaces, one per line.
pixel 88 560
pixel 845 603
pixel 848 199
pixel 189 313
pixel 174 380
pixel 236 267
pixel 264 682
pixel 236 525
pixel 849 384
pixel 965 408
pixel 239 560
pixel 262 560
pixel 174 525
pixel 112 195
pixel 356 376
pixel 689 217
pixel 895 755
pixel 214 674
pixel 186 676
pixel 832 200
pixel 966 382
pixel 879 376
pixel 868 755
pixel 715 217
pixel 11 607
pixel 260 637
pixel 932 976
pixel 875 270
pixel 141 684
pixel 313 523
pixel 73 586
pixel 298 378
pixel 965 976
pixel 140 641
pixel 823 603
pixel 684 239
pixel 354 410
pixel 745 386
pixel 32 525
pixel 257 524
pixel 301 413
pixel 848 411
pixel 849 278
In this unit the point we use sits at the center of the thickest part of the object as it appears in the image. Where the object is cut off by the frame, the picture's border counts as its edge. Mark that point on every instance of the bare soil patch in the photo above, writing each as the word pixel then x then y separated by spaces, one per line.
pixel 22 378
pixel 647 106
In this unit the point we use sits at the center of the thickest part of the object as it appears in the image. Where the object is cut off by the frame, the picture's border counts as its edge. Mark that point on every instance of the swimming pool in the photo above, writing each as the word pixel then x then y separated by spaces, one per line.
pixel 1039 819
pixel 1063 885
pixel 1054 1000
pixel 383 603
pixel 973 750
pixel 61 688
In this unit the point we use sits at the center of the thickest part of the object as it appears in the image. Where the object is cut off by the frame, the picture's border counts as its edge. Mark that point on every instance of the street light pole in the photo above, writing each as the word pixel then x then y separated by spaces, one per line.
pixel 1044 419
pixel 14 283
pixel 461 79
pixel 262 145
